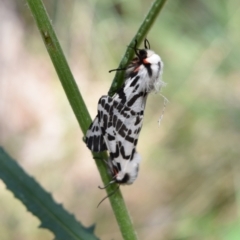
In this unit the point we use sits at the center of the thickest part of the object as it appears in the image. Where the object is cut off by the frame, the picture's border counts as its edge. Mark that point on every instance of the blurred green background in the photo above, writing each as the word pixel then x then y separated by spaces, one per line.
pixel 189 180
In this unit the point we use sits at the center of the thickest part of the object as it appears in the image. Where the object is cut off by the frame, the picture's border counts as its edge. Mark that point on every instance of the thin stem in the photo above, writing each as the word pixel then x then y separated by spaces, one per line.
pixel 141 33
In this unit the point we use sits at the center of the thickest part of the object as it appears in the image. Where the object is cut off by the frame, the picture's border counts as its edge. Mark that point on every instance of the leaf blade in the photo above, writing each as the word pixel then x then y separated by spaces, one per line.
pixel 40 203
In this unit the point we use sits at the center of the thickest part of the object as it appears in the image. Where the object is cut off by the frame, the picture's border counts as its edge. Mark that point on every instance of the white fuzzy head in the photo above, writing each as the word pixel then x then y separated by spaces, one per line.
pixel 152 68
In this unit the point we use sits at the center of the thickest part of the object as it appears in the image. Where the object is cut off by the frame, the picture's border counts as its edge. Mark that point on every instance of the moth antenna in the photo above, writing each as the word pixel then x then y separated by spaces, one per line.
pixel 136 52
pixel 135 48
pixel 104 187
pixel 146 44
pixel 109 195
pixel 117 69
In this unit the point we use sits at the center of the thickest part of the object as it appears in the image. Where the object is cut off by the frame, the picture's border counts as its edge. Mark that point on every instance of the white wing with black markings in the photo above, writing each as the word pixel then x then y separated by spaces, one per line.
pixel 120 127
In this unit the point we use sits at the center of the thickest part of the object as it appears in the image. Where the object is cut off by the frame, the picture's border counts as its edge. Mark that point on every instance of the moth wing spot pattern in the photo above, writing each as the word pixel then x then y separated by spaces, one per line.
pixel 119 120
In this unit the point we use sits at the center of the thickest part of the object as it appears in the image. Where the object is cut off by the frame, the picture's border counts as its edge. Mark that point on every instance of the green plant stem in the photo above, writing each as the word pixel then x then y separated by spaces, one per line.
pixel 141 33
pixel 59 61
pixel 70 87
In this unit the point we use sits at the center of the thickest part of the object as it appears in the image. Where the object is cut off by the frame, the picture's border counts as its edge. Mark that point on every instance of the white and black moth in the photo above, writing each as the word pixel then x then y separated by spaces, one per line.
pixel 119 120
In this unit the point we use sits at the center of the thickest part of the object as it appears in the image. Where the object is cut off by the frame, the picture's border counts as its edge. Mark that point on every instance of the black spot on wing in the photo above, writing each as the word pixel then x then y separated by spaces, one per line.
pixel 94 138
pixel 103 131
pixel 105 121
pixel 122 151
pixel 119 125
pixel 122 94
pixel 149 69
pixel 109 124
pixel 137 130
pixel 133 113
pixel 111 137
pixel 96 143
pixel 132 154
pixel 89 142
pixel 123 130
pixel 134 99
pixel 128 136
pixel 114 155
pixel 124 180
pixel 136 88
pixel 119 166
pixel 134 81
pixel 102 145
pixel 114 120
pixel 138 120
pixel 102 101
pixel 107 107
pixel 129 139
pixel 135 142
pixel 109 100
pixel 133 74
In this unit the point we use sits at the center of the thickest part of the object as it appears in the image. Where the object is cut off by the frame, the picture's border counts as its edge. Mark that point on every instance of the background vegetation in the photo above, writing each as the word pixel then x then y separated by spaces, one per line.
pixel 188 186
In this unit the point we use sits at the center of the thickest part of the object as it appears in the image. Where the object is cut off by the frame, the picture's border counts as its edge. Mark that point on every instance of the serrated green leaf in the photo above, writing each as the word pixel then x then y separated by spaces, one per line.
pixel 52 215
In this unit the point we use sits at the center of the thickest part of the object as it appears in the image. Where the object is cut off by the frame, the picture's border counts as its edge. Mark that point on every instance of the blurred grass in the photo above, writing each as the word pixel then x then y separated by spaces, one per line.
pixel 188 185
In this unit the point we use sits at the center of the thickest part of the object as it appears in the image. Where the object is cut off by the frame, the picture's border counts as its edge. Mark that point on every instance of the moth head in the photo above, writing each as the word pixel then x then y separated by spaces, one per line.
pixel 147 56
pixel 151 58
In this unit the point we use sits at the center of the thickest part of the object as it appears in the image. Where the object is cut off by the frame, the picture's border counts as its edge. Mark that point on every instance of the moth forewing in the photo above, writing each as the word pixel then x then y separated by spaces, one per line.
pixel 94 137
pixel 121 127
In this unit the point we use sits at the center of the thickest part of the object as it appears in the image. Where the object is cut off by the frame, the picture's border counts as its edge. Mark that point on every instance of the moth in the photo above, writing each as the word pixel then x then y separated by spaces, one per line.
pixel 119 119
